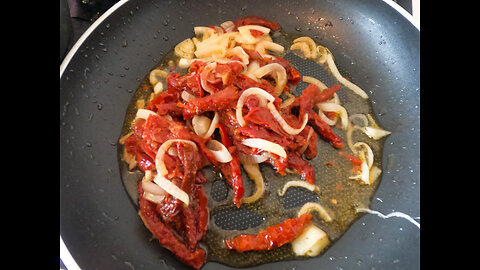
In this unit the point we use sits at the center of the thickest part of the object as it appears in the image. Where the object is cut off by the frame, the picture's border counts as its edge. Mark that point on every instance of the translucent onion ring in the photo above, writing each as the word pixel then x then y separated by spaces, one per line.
pixel 265 146
pixel 254 173
pixel 309 206
pixel 241 100
pixel 159 164
pixel 285 126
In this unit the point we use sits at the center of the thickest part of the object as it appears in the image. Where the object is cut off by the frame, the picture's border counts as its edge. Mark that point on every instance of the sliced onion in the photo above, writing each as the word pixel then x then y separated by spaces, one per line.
pixel 375 133
pixel 364 176
pixel 240 52
pixel 304 147
pixel 171 188
pixel 241 100
pixel 309 206
pixel 153 188
pixel 369 152
pixel 333 68
pixel 332 107
pixel 299 183
pixel 265 146
pixel 247 35
pixel 159 164
pixel 219 151
pixel 285 126
pixel 144 114
pixel 269 45
pixel 254 65
pixel 279 74
pixel 187 96
pixel 253 159
pixel 312 46
pixel 361 117
pixel 203 126
pixel 254 173
pixel 158 88
pixel 203 77
pixel 314 81
pixel 228 26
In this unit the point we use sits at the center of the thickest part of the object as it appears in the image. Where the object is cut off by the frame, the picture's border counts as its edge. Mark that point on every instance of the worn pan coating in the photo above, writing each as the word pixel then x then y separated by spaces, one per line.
pixel 372 41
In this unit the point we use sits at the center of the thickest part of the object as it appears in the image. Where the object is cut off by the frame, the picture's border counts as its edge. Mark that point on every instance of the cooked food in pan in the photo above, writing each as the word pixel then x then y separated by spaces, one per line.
pixel 228 104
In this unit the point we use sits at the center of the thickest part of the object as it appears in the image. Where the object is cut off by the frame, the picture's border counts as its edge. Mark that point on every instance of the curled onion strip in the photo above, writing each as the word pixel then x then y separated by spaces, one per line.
pixel 285 126
pixel 314 81
pixel 203 126
pixel 159 164
pixel 251 159
pixel 241 100
pixel 309 206
pixel 144 114
pixel 332 107
pixel 298 183
pixel 171 188
pixel 254 173
pixel 333 68
pixel 203 77
pixel 279 74
pixel 312 46
pixel 304 147
pixel 187 96
pixel 266 146
pixel 219 151
pixel 247 35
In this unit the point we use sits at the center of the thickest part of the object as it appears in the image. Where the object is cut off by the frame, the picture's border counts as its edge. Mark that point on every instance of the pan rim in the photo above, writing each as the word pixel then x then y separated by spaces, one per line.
pixel 65 256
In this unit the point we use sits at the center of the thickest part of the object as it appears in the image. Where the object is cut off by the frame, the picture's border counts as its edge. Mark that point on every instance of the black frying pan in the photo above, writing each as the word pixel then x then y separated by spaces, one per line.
pixel 373 42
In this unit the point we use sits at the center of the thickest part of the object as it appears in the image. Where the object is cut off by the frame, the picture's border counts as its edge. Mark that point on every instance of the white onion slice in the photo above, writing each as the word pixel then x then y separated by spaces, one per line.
pixel 332 107
pixel 253 159
pixel 309 206
pixel 200 124
pixel 219 151
pixel 265 146
pixel 144 114
pixel 203 77
pixel 333 68
pixel 187 96
pixel 159 164
pixel 299 183
pixel 375 133
pixel 369 157
pixel 153 188
pixel 241 100
pixel 228 26
pixel 304 147
pixel 252 67
pixel 285 126
pixel 269 45
pixel 279 74
pixel 171 188
pixel 247 35
pixel 312 46
pixel 314 81
pixel 364 176
pixel 254 173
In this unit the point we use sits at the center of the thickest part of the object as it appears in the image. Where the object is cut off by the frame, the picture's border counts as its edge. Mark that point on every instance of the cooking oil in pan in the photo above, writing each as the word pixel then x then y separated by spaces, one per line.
pixel 338 193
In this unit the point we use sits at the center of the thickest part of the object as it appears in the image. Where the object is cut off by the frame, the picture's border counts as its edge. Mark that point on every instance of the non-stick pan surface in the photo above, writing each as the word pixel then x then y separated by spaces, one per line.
pixel 374 43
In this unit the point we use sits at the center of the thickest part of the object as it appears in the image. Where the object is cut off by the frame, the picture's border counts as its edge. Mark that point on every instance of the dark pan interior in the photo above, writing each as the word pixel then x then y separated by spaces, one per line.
pixel 371 41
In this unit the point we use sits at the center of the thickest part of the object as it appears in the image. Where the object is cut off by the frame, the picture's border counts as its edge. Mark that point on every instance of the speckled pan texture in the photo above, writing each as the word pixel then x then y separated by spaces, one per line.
pixel 372 43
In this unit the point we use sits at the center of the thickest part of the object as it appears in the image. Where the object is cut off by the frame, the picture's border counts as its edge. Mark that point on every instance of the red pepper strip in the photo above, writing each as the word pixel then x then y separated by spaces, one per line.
pixel 165 236
pixel 274 236
pixel 201 210
pixel 353 159
pixel 310 96
pixel 256 20
pixel 232 170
